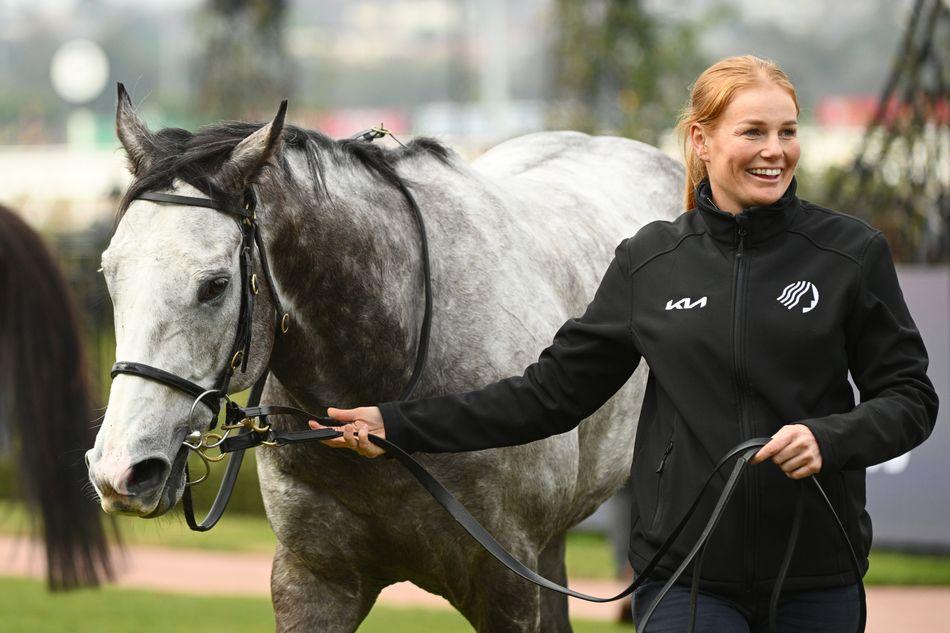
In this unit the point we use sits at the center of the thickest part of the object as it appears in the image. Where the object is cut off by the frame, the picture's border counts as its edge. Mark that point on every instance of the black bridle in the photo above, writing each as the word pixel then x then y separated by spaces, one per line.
pixel 252 434
pixel 237 357
pixel 241 347
pixel 237 418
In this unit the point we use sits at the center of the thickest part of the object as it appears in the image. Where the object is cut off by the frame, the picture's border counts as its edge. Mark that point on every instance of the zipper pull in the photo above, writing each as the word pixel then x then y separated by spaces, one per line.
pixel 666 453
pixel 743 231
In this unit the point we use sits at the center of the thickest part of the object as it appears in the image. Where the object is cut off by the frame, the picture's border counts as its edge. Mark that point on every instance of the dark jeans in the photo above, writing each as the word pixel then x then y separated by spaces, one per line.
pixel 834 610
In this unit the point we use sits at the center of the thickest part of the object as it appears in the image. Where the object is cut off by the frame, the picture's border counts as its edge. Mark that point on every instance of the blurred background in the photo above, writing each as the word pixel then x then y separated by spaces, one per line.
pixel 872 79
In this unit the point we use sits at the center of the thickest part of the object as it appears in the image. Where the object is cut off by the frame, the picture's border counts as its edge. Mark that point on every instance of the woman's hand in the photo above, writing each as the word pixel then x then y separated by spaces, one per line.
pixel 794 449
pixel 363 421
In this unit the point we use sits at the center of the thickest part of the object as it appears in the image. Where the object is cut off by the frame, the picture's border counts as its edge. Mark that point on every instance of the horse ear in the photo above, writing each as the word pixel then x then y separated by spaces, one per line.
pixel 249 155
pixel 138 142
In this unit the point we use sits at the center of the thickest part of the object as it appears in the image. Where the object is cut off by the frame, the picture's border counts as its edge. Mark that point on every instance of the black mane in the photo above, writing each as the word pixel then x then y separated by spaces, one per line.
pixel 195 157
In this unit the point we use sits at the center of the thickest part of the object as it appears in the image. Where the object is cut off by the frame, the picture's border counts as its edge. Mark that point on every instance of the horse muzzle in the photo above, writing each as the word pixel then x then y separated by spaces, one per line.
pixel 137 489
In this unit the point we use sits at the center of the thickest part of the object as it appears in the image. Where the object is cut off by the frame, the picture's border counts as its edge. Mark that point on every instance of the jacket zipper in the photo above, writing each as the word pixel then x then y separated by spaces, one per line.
pixel 745 431
pixel 666 453
pixel 659 480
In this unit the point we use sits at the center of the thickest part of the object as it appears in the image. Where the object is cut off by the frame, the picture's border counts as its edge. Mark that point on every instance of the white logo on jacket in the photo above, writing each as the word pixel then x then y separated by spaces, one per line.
pixel 685 304
pixel 793 293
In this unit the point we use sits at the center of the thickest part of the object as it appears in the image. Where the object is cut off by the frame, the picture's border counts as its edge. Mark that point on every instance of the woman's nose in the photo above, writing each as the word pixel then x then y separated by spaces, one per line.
pixel 773 146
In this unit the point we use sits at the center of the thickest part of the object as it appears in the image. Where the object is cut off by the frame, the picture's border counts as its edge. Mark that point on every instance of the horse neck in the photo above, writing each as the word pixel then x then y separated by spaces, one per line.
pixel 348 269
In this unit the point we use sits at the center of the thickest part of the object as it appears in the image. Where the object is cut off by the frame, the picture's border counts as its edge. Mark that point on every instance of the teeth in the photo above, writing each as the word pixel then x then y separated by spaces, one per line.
pixel 766 172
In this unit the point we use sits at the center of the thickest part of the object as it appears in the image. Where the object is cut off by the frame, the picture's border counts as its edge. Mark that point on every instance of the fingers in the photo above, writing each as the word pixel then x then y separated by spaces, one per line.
pixel 794 450
pixel 355 437
pixel 805 463
pixel 367 448
pixel 794 462
pixel 336 442
pixel 345 415
pixel 779 442
pixel 804 471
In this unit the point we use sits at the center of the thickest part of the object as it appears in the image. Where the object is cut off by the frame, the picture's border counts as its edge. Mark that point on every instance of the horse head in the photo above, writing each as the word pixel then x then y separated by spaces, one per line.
pixel 174 274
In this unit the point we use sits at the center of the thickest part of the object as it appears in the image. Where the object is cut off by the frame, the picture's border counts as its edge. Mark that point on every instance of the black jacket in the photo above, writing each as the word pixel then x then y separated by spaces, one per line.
pixel 748 323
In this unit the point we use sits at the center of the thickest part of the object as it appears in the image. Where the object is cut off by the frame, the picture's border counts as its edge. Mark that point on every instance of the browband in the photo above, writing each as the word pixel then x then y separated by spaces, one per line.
pixel 192 202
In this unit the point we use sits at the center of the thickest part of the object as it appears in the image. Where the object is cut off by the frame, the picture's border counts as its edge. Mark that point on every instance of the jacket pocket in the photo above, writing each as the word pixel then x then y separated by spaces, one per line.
pixel 660 497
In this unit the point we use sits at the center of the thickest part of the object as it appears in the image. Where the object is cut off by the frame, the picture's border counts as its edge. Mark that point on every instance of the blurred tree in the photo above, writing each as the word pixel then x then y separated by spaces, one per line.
pixel 245 71
pixel 620 69
pixel 900 179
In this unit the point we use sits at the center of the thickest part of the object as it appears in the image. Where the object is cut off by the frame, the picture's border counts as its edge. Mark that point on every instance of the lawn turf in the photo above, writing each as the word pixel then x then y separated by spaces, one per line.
pixel 588 554
pixel 26 607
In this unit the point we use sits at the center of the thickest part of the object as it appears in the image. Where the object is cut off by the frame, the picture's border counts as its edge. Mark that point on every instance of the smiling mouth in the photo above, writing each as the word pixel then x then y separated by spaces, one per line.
pixel 769 174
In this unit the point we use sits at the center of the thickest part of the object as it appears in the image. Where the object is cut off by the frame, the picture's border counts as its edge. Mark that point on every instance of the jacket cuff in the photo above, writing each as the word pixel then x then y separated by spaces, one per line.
pixel 395 423
pixel 819 428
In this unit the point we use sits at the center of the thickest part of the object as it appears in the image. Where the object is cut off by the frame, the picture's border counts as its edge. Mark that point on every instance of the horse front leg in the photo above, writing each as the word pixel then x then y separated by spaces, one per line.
pixel 307 603
pixel 554 614
pixel 493 599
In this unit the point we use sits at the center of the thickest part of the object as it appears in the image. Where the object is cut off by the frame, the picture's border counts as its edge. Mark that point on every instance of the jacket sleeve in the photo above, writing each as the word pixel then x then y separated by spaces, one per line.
pixel 888 363
pixel 590 358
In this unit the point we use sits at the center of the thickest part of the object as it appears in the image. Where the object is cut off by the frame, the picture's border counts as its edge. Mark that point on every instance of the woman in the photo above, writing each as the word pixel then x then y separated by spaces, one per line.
pixel 45 406
pixel 750 309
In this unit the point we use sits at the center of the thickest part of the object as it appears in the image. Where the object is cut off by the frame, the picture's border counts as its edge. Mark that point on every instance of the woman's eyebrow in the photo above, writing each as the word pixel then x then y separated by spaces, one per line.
pixel 761 122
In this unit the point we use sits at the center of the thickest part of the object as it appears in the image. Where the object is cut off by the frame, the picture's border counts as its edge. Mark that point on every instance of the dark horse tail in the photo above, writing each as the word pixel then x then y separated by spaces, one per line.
pixel 46 407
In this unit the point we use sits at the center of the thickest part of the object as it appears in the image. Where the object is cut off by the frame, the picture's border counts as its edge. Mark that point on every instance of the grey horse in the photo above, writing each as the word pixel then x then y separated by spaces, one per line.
pixel 518 239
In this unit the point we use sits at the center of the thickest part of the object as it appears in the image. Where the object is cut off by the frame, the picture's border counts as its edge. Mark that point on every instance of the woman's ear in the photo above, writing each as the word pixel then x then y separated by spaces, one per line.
pixel 697 138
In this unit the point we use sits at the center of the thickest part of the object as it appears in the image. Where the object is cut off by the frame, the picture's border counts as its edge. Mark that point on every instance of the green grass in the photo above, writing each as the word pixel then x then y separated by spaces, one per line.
pixel 896 568
pixel 26 607
pixel 588 554
pixel 235 532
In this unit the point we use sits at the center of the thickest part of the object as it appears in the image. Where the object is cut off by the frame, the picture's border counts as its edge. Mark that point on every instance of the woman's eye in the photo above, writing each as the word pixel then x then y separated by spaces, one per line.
pixel 789 133
pixel 212 289
pixel 752 132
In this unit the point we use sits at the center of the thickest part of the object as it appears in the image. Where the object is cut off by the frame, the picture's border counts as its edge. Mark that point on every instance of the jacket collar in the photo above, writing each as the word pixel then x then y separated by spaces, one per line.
pixel 760 223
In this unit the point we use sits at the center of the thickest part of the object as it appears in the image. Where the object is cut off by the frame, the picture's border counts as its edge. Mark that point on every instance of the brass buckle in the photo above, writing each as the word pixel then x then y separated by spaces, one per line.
pixel 200 444
pixel 252 424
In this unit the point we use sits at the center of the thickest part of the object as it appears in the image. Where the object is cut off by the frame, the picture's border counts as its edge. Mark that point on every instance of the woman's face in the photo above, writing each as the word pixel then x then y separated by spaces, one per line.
pixel 752 151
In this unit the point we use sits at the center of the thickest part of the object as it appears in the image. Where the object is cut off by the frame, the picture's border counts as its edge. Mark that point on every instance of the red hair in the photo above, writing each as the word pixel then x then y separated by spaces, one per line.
pixel 709 97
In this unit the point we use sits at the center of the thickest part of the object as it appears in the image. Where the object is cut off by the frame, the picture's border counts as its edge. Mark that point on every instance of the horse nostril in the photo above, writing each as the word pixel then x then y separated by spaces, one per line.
pixel 147 475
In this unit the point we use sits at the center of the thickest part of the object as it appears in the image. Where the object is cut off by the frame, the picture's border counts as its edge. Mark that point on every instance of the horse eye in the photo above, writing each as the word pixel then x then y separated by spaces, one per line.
pixel 212 289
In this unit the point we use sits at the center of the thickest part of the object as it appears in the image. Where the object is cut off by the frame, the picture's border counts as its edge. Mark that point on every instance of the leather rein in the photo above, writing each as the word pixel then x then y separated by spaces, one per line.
pixel 254 430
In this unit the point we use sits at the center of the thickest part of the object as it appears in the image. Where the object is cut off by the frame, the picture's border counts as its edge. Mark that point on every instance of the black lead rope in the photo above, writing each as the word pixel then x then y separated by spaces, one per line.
pixel 744 451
